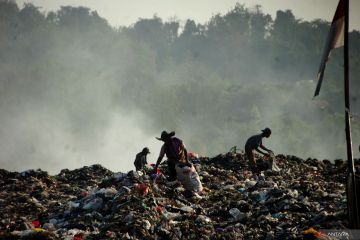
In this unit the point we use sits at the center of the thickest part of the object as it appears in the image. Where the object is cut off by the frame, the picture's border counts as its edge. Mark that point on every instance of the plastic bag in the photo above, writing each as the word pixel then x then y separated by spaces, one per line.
pixel 188 177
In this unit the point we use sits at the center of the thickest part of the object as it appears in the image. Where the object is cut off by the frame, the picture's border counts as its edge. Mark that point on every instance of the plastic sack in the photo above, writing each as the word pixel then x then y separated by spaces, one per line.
pixel 94 204
pixel 269 163
pixel 108 192
pixel 188 177
pixel 273 165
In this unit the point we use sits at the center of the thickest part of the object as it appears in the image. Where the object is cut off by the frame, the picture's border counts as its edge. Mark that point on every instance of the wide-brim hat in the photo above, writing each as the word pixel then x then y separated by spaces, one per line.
pixel 165 135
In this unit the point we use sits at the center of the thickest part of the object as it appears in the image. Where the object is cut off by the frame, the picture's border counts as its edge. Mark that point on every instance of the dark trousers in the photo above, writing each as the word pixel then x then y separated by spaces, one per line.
pixel 172 171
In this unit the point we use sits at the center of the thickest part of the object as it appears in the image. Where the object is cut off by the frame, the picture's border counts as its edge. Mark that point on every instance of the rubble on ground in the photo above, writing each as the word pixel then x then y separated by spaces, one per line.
pixel 95 203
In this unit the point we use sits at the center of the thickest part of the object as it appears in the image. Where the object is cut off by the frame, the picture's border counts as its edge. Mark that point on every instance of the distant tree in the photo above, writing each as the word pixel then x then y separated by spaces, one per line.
pixel 260 24
pixel 8 10
pixel 190 29
pixel 31 17
pixel 9 22
pixel 171 30
pixel 80 19
pixel 155 34
pixel 283 27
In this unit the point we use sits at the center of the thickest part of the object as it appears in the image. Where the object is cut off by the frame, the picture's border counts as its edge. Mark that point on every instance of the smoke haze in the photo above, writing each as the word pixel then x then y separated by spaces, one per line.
pixel 74 91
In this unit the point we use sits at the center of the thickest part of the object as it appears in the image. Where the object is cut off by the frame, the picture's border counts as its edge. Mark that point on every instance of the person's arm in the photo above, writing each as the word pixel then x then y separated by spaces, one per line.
pixel 259 151
pixel 186 154
pixel 161 155
pixel 266 149
pixel 145 159
pixel 158 162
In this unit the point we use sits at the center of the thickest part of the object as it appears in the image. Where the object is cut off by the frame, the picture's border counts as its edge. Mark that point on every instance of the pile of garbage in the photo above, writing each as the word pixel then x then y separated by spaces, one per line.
pixel 232 203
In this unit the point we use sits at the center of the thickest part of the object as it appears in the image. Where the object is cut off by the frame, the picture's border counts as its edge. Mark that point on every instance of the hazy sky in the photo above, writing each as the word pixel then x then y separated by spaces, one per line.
pixel 124 13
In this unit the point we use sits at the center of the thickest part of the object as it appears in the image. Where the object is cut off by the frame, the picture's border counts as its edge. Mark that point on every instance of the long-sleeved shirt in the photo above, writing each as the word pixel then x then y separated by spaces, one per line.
pixel 140 161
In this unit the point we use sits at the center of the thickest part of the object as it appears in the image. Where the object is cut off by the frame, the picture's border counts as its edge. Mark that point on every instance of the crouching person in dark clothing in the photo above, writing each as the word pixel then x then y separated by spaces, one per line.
pixel 175 151
pixel 140 159
pixel 254 143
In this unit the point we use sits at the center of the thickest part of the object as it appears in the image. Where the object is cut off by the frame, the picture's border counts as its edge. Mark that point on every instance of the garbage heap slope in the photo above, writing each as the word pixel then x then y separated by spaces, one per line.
pixel 94 203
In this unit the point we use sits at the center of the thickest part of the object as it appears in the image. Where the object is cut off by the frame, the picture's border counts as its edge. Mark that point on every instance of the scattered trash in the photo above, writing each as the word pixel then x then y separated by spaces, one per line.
pixel 228 201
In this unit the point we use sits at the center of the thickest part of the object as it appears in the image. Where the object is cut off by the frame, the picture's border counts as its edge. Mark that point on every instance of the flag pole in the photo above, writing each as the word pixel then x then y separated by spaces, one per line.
pixel 354 222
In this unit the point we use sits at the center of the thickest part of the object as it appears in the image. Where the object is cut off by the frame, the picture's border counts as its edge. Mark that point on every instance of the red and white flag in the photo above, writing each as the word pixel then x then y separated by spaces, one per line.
pixel 334 40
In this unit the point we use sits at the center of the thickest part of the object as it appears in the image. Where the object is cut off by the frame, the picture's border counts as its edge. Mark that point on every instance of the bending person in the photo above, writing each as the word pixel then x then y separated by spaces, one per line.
pixel 175 151
pixel 254 143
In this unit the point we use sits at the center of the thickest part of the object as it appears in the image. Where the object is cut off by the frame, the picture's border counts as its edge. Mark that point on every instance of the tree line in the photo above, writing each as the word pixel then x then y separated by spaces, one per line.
pixel 215 83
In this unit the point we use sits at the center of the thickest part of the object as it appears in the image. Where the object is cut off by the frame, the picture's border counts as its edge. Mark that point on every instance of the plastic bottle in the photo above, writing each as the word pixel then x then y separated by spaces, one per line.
pixel 235 212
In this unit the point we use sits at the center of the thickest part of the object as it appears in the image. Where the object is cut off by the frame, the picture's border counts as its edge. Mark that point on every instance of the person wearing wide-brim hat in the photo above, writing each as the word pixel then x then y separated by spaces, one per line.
pixel 175 151
pixel 254 143
pixel 140 159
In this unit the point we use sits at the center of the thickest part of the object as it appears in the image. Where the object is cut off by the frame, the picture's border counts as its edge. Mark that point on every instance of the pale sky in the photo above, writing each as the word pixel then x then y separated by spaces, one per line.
pixel 125 13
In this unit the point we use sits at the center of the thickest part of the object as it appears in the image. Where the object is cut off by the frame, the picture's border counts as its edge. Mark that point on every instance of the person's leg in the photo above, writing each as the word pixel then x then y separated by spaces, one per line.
pixel 172 171
pixel 137 166
pixel 251 157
